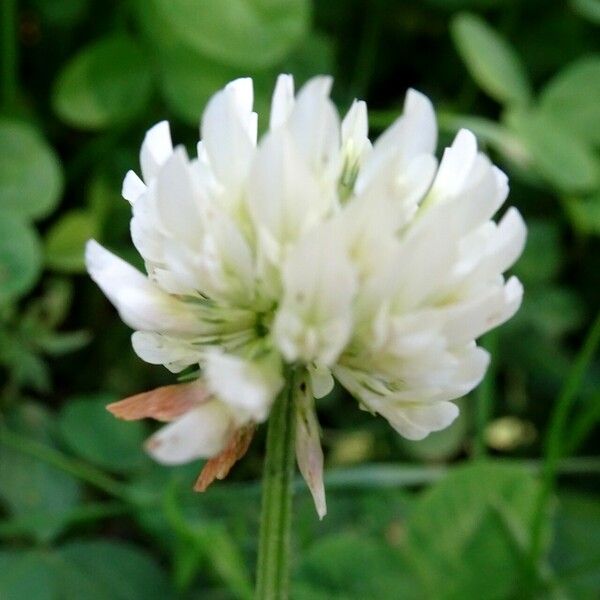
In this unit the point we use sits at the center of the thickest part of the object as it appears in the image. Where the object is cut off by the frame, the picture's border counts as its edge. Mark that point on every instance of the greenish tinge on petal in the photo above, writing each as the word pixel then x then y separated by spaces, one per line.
pixel 314 248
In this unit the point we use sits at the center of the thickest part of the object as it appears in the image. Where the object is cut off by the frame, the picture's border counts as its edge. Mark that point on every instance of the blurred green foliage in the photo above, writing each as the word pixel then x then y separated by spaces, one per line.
pixel 84 513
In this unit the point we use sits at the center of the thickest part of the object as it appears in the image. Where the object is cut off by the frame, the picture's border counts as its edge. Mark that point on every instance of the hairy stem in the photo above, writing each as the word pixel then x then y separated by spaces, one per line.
pixel 272 574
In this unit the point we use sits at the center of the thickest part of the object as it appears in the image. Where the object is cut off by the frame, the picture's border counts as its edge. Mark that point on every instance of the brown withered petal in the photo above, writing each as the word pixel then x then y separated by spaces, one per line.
pixel 163 404
pixel 219 466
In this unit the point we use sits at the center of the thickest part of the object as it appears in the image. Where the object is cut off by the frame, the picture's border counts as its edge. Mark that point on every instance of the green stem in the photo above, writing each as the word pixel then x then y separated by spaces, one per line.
pixel 8 53
pixel 76 468
pixel 272 571
pixel 583 424
pixel 554 441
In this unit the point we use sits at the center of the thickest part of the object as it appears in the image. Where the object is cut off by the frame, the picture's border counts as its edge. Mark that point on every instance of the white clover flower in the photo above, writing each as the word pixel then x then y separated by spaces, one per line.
pixel 367 263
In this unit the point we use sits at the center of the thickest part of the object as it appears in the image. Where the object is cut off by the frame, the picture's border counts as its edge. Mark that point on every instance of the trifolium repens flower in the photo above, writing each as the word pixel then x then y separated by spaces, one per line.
pixel 313 249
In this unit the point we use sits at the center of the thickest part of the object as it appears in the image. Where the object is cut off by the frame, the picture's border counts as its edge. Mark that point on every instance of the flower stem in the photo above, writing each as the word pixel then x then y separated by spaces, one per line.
pixel 555 442
pixel 272 572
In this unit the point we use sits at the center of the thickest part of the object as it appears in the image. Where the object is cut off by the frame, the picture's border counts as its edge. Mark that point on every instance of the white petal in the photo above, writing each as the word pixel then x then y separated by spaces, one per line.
pixel 140 303
pixel 227 132
pixel 513 296
pixel 429 379
pixel 248 388
pixel 425 260
pixel 412 134
pixel 178 198
pixel 422 122
pixel 314 320
pixel 315 128
pixel 390 200
pixel 456 165
pixel 355 125
pixel 284 197
pixel 467 320
pixel 412 184
pixel 417 421
pixel 202 432
pixel 243 94
pixel 157 349
pixel 156 148
pixel 505 246
pixel 146 230
pixel 414 419
pixel 309 453
pixel 133 187
pixel 446 375
pixel 467 374
pixel 355 129
pixel 283 101
pixel 321 380
pixel 226 261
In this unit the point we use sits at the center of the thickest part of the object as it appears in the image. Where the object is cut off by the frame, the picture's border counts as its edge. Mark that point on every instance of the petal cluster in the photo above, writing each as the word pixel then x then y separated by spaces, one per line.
pixel 365 262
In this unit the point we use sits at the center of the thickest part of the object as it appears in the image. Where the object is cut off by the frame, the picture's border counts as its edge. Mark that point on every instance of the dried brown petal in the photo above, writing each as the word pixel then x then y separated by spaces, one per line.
pixel 163 404
pixel 219 466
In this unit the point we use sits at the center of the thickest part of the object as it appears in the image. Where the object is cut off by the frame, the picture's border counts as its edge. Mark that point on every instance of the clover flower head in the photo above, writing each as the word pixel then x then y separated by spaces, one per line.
pixel 314 250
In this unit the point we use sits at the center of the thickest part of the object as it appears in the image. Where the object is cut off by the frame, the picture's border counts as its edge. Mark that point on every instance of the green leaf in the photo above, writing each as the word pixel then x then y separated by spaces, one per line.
pixel 457 533
pixel 225 557
pixel 95 435
pixel 108 82
pixel 542 258
pixel 249 34
pixel 490 59
pixel 51 308
pixel 584 214
pixel 94 570
pixel 31 179
pixel 349 566
pixel 59 343
pixel 451 5
pixel 205 542
pixel 20 256
pixel 60 14
pixel 589 9
pixel 27 367
pixel 572 98
pixel 575 552
pixel 28 485
pixel 553 311
pixel 188 80
pixel 201 540
pixel 314 56
pixel 102 198
pixel 564 160
pixel 97 570
pixel 65 241
pixel 27 574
